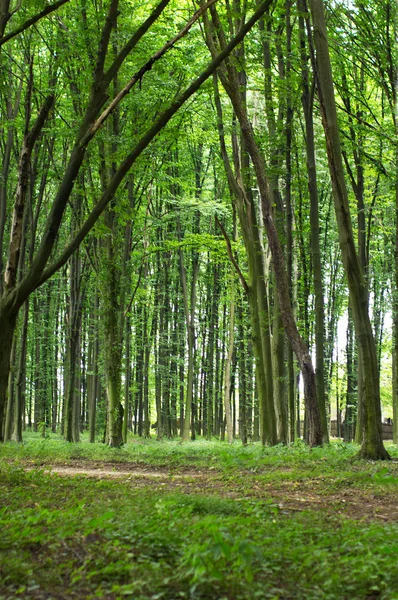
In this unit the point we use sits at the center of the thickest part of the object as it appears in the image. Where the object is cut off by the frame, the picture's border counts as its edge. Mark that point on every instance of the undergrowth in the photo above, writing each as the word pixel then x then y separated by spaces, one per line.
pixel 87 538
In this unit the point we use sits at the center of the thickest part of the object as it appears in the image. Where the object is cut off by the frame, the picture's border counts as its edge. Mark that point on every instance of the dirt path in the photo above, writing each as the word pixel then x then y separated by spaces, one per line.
pixel 105 473
pixel 288 496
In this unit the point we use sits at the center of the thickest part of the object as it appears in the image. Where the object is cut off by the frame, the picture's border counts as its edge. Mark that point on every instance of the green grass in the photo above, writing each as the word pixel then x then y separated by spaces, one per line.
pixel 109 539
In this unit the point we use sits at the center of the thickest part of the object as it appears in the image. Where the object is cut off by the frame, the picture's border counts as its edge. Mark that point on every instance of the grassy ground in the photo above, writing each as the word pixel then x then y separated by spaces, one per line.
pixel 201 520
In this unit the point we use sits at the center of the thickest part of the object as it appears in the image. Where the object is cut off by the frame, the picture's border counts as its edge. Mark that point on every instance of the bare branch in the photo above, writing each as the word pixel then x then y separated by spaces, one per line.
pixel 232 257
pixel 134 292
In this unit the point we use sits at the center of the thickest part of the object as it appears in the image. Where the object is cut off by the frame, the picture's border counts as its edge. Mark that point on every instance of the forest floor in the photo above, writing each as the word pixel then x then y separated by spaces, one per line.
pixel 203 520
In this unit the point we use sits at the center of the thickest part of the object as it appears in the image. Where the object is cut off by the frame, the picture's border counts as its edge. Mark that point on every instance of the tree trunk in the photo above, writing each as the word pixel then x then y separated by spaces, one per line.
pixel 20 380
pixel 372 442
pixel 227 376
pixel 255 288
pixel 298 345
pixel 307 102
pixel 395 308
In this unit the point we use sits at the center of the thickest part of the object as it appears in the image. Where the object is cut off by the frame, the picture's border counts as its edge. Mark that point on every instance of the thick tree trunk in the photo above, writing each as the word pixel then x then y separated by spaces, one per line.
pixel 372 443
pixel 7 329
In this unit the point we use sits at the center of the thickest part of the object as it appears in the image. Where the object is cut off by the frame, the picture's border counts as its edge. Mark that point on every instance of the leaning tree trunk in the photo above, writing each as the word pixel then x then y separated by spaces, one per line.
pixel 255 287
pixel 307 99
pixel 372 443
pixel 297 343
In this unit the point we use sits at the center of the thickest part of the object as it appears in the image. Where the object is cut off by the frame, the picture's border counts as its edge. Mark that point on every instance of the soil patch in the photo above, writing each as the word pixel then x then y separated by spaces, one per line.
pixel 291 496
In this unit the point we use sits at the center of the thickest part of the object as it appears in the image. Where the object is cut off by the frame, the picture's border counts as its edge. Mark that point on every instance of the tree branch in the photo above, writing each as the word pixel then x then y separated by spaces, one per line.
pixel 232 257
pixel 133 41
pixel 46 11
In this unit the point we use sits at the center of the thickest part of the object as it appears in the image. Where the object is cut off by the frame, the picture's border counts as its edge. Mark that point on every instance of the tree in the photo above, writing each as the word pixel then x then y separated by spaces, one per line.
pixel 372 444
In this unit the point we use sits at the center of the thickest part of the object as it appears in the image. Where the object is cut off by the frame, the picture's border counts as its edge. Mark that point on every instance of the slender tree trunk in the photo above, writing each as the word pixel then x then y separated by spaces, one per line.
pixel 189 307
pixel 228 362
pixel 127 379
pixel 76 385
pixel 307 102
pixel 276 157
pixel 255 288
pixel 93 395
pixel 351 392
pixel 20 380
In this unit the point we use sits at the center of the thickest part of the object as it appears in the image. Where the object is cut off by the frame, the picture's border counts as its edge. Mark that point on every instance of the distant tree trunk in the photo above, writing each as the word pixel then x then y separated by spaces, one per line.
pixel 39 400
pixel 228 362
pixel 54 369
pixel 127 378
pixel 211 383
pixel 189 307
pixel 72 388
pixel 241 361
pixel 148 339
pixel 174 362
pixel 20 378
pixel 351 392
pixel 219 376
pixel 155 336
pixel 76 385
pixel 93 391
